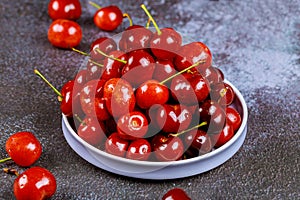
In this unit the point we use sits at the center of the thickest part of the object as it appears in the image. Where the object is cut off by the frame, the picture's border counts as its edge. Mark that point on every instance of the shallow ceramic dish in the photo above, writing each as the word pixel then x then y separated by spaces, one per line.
pixel 160 170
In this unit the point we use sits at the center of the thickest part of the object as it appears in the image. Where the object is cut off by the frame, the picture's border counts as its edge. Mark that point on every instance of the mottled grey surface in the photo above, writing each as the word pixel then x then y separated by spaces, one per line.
pixel 255 43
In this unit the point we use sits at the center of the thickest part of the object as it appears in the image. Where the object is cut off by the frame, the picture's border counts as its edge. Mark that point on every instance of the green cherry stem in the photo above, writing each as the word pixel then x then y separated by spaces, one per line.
pixel 94 4
pixel 187 130
pixel 44 79
pixel 182 71
pixel 81 52
pixel 151 18
pixel 5 159
pixel 148 23
pixel 110 57
pixel 126 15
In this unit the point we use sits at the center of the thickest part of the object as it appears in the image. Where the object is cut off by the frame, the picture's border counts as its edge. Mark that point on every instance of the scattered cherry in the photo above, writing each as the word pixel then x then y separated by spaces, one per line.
pixel 176 194
pixel 64 33
pixel 64 9
pixel 35 183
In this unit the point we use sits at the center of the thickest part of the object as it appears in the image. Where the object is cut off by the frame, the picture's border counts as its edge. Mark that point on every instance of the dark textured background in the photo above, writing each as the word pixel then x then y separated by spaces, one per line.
pixel 257 45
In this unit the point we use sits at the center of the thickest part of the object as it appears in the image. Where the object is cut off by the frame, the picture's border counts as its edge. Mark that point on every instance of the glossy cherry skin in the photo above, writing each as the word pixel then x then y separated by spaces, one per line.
pixel 140 64
pixel 108 18
pixel 213 75
pixel 163 69
pixel 198 140
pixel 92 131
pixel 64 9
pixel 139 149
pixel 190 89
pixel 165 45
pixel 192 53
pixel 223 93
pixel 233 117
pixel 150 93
pixel 35 183
pixel 173 118
pixel 176 194
pixel 213 114
pixel 64 33
pixel 113 68
pixel 135 37
pixel 167 148
pixel 94 69
pixel 120 97
pixel 132 125
pixel 224 136
pixel 23 148
pixel 116 145
pixel 104 44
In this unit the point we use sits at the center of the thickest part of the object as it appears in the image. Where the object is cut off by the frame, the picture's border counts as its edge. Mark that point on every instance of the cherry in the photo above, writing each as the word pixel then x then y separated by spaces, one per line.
pixel 108 18
pixel 140 64
pixel 213 75
pixel 116 145
pixel 192 53
pixel 167 148
pixel 139 149
pixel 113 67
pixel 151 92
pixel 23 148
pixel 199 140
pixel 176 194
pixel 224 136
pixel 189 89
pixel 135 37
pixel 35 183
pixel 64 9
pixel 105 44
pixel 120 97
pixel 94 70
pixel 173 118
pixel 233 118
pixel 212 113
pixel 163 69
pixel 64 33
pixel 222 93
pixel 92 131
pixel 132 125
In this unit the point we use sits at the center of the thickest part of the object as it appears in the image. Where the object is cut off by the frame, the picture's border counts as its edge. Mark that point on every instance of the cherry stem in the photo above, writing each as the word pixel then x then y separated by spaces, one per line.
pixel 98 64
pixel 5 159
pixel 148 23
pixel 126 15
pixel 81 52
pixel 44 79
pixel 11 171
pixel 151 18
pixel 79 119
pixel 94 4
pixel 111 57
pixel 182 71
pixel 187 130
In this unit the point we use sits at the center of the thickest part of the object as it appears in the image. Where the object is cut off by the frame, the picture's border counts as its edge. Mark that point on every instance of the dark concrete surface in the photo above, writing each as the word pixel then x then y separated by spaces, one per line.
pixel 255 43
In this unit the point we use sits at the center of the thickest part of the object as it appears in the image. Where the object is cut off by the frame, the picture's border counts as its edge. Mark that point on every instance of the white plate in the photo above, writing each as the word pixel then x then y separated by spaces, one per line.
pixel 161 170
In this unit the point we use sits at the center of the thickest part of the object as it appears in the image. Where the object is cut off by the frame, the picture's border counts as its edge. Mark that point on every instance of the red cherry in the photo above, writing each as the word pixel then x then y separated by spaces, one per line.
pixel 92 131
pixel 140 64
pixel 192 53
pixel 222 93
pixel 105 44
pixel 165 44
pixel 64 9
pixel 35 183
pixel 163 69
pixel 139 149
pixel 120 97
pixel 213 75
pixel 108 18
pixel 167 148
pixel 151 92
pixel 173 118
pixel 233 117
pixel 64 33
pixel 23 148
pixel 94 70
pixel 176 194
pixel 189 89
pixel 135 37
pixel 224 136
pixel 198 140
pixel 132 125
pixel 116 145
